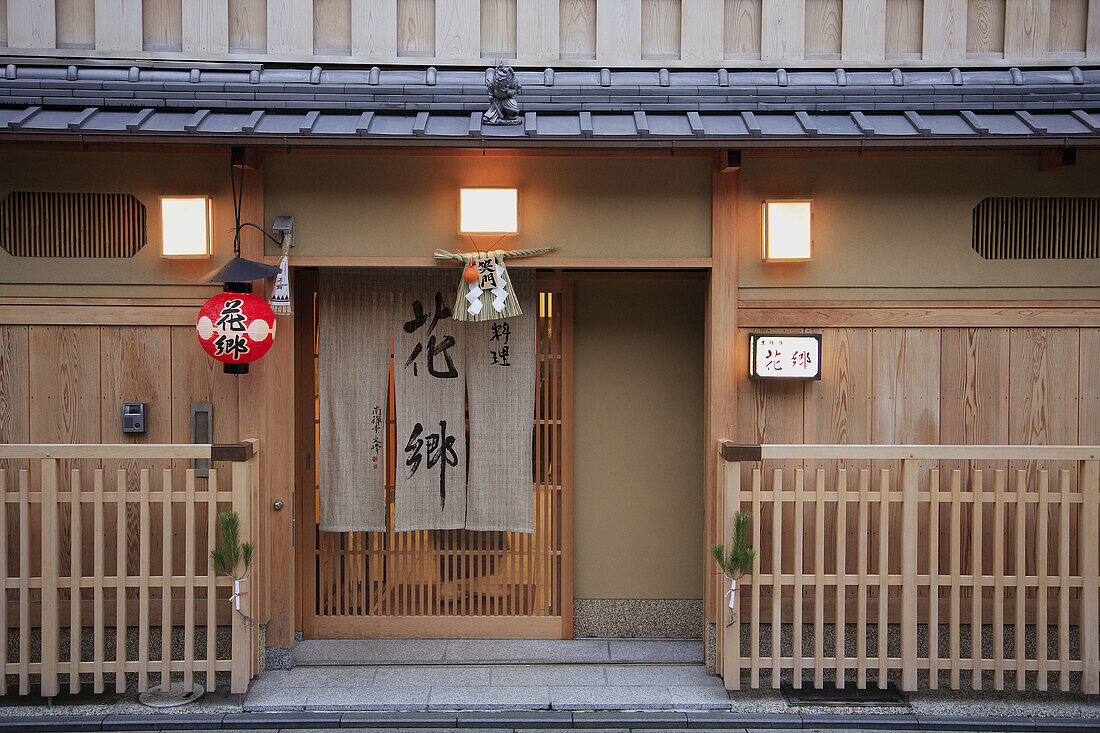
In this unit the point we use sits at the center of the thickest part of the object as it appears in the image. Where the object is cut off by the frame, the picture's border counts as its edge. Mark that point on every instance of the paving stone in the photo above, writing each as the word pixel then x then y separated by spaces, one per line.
pixel 699 697
pixel 514 719
pixel 326 676
pixel 127 722
pixel 634 719
pixel 638 697
pixel 375 697
pixel 276 698
pixel 400 720
pixel 583 651
pixel 741 720
pixel 849 722
pixel 489 698
pixel 953 723
pixel 369 651
pixel 649 650
pixel 278 720
pixel 188 721
pixel 51 723
pixel 1064 725
pixel 557 675
pixel 661 674
pixel 464 675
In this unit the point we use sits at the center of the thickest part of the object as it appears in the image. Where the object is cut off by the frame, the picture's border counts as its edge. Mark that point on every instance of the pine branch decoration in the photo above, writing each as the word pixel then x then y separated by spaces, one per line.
pixel 231 553
pixel 739 558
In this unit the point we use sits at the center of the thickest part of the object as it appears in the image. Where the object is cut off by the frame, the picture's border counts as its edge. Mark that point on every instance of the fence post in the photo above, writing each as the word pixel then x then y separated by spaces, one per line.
pixel 731 634
pixel 51 546
pixel 908 575
pixel 240 654
pixel 1090 576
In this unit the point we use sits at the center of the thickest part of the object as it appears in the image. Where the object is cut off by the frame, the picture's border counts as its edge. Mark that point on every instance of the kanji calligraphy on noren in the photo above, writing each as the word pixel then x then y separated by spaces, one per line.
pixel 460 389
pixel 430 387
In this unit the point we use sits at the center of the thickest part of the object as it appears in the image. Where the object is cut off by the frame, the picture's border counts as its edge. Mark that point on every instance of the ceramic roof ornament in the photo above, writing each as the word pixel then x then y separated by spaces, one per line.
pixel 503 92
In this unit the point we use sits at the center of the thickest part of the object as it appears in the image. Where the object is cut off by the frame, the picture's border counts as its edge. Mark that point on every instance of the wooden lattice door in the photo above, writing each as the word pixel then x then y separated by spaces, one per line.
pixel 443 583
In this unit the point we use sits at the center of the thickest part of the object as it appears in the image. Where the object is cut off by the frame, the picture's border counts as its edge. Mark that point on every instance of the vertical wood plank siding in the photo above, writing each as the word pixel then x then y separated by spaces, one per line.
pixel 614 32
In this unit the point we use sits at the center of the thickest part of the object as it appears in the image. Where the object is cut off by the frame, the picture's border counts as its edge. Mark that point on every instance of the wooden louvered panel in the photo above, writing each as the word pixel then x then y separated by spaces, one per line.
pixel 51 224
pixel 1037 228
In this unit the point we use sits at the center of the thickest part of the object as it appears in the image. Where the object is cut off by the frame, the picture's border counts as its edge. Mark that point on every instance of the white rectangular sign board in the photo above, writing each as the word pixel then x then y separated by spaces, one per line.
pixel 785 355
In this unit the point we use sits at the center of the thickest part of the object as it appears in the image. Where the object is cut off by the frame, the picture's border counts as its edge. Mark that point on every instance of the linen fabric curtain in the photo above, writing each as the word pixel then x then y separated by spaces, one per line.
pixel 429 364
pixel 500 382
pixel 440 365
pixel 354 322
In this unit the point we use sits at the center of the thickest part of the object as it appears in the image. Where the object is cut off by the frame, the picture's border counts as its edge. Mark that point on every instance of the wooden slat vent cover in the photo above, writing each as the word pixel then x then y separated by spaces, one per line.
pixel 55 224
pixel 1024 228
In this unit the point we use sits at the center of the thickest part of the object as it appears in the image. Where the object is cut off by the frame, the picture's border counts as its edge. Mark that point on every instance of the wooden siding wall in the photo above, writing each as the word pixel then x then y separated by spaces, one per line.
pixel 66 384
pixel 950 385
pixel 564 32
pixel 929 383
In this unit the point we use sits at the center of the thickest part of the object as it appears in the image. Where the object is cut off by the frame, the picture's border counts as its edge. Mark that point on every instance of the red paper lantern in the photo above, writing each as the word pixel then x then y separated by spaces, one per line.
pixel 236 328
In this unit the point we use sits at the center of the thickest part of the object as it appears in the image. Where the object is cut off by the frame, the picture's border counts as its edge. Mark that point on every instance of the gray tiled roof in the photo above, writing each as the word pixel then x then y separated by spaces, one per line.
pixel 585 106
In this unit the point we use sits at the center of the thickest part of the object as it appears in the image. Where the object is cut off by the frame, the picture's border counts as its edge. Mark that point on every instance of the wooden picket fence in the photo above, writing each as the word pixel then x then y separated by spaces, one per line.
pixel 860 547
pixel 83 524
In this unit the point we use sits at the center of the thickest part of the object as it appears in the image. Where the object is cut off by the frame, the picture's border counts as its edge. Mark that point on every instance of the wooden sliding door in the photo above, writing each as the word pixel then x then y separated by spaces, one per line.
pixel 444 583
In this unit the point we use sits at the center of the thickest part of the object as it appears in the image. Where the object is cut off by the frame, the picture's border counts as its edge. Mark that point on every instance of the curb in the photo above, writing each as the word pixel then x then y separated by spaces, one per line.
pixel 534 720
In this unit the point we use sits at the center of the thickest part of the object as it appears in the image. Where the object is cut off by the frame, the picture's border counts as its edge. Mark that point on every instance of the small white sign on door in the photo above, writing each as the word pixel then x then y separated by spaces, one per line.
pixel 785 356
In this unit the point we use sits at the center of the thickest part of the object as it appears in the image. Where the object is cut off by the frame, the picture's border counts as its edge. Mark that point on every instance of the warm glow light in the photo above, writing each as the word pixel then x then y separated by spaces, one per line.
pixel 787 231
pixel 488 210
pixel 185 226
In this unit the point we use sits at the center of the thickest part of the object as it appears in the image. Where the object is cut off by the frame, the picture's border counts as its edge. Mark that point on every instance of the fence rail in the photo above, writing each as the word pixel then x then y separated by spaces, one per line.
pixel 91 531
pixel 992 551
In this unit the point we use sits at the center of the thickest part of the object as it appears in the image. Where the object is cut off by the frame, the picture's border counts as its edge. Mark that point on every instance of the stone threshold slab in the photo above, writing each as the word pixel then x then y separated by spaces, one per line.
pixel 465 651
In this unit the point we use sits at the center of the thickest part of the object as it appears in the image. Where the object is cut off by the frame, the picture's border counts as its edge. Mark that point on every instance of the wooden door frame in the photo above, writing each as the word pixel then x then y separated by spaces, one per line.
pixel 548 627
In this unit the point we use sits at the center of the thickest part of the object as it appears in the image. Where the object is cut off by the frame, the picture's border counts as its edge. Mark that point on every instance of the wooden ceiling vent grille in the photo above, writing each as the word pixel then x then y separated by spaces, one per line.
pixel 54 224
pixel 1026 228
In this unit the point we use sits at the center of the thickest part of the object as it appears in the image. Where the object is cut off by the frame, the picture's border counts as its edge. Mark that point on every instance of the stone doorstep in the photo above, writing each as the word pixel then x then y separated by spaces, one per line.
pixel 491 722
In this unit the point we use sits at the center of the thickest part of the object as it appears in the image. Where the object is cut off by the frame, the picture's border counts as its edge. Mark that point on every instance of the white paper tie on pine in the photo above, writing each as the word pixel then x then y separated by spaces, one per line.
pixel 280 293
pixel 237 592
pixel 732 592
pixel 474 298
pixel 500 291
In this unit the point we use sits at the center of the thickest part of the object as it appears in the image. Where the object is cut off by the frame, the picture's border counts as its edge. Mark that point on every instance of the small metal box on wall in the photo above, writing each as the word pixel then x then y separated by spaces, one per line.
pixel 133 417
pixel 202 432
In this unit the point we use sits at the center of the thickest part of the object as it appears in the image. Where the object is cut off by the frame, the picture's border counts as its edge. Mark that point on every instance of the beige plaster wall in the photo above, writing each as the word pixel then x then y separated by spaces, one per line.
pixel 638 438
pixel 900 227
pixel 145 175
pixel 372 205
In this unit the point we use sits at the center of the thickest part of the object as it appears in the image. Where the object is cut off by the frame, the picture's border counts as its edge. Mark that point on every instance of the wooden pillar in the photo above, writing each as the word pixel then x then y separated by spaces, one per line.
pixel 266 412
pixel 721 392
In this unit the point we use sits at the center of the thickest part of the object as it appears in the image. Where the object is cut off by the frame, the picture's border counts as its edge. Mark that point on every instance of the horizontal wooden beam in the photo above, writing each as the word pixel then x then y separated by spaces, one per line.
pixel 737 452
pixel 547 263
pixel 902 452
pixel 234 452
pixel 873 314
pixel 48 313
pixel 107 450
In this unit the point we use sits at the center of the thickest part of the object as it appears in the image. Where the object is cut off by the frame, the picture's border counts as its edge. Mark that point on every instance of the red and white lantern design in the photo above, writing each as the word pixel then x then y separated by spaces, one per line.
pixel 236 328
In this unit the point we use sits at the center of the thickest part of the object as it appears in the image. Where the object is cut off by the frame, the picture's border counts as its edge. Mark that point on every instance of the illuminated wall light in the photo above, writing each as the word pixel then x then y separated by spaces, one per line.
pixel 186 222
pixel 787 234
pixel 488 210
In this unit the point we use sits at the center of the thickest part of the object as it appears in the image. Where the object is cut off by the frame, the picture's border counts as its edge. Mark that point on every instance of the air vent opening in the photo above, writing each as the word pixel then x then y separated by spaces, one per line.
pixel 74 225
pixel 1025 228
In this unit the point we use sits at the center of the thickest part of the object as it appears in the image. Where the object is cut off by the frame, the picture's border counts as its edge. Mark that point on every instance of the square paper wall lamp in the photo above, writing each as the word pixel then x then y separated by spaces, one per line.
pixel 488 210
pixel 186 222
pixel 787 235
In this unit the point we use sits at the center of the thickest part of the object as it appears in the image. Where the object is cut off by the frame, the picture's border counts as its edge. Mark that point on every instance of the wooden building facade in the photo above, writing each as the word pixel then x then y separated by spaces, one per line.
pixel 948 149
